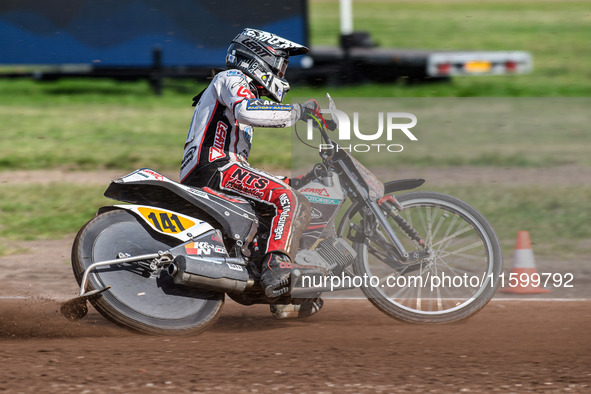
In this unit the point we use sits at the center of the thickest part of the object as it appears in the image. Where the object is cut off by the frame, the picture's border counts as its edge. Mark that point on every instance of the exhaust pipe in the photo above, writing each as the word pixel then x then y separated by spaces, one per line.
pixel 215 273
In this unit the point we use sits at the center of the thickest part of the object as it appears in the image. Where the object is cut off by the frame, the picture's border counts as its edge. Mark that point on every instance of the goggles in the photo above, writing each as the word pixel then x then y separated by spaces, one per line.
pixel 280 66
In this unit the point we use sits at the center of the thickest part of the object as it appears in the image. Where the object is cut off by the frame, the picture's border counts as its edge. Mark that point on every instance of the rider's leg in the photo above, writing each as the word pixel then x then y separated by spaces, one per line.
pixel 210 176
pixel 292 216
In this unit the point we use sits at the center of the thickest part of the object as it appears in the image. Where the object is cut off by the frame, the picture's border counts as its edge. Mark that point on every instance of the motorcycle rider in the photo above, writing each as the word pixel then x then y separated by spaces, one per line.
pixel 220 136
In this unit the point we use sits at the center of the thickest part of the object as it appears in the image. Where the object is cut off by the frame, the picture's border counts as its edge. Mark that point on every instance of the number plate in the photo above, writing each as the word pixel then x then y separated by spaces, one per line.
pixel 166 222
pixel 477 66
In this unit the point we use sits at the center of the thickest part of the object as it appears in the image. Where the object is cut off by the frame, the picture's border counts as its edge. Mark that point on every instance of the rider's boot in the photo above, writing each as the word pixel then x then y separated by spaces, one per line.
pixel 275 274
pixel 291 311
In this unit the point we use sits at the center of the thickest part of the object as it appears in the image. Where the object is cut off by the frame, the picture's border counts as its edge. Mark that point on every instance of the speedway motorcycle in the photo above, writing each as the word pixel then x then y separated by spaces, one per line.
pixel 163 262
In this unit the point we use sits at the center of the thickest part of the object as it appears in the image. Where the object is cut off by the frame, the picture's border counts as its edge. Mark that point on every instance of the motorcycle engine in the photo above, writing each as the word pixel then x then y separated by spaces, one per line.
pixel 334 254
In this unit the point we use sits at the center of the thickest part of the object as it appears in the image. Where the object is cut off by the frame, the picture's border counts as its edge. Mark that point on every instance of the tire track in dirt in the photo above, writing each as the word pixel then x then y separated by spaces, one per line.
pixel 348 347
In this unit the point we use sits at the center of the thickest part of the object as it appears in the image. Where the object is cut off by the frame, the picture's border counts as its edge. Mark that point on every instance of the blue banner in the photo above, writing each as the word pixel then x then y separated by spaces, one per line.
pixel 124 32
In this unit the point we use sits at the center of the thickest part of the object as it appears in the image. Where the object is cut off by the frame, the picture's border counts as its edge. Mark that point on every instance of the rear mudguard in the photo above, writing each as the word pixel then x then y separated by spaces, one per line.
pixel 145 187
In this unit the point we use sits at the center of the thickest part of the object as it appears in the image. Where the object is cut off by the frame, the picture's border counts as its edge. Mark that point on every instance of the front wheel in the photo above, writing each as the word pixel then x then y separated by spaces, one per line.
pixel 455 280
pixel 138 299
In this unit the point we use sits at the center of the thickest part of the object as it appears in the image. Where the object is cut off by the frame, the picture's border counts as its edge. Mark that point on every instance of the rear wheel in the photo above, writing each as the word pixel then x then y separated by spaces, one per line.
pixel 456 279
pixel 138 298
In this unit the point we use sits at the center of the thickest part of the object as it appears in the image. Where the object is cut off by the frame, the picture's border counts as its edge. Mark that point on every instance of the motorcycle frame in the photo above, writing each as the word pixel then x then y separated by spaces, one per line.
pixel 356 191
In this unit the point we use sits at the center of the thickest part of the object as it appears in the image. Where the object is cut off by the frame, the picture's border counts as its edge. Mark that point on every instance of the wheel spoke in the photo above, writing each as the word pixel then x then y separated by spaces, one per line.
pixel 462 255
pixel 448 238
pixel 440 220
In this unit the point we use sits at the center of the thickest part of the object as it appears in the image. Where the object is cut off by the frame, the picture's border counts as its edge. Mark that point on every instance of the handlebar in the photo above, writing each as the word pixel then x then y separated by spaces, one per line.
pixel 323 125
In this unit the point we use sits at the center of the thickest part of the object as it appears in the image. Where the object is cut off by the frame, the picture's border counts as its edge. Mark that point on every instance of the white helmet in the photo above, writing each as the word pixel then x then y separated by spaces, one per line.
pixel 263 57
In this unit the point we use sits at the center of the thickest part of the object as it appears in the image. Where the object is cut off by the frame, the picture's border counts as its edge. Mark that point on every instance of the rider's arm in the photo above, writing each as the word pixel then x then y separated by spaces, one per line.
pixel 263 113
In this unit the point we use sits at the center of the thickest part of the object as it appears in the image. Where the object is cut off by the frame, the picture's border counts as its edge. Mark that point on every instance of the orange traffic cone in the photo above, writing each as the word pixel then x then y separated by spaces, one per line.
pixel 520 280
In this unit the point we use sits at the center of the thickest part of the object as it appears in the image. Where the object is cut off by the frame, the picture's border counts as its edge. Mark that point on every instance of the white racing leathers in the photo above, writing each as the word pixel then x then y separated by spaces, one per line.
pixel 217 149
pixel 223 122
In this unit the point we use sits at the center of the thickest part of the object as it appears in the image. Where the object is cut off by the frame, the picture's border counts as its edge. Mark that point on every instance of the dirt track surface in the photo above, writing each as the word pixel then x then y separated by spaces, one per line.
pixel 349 347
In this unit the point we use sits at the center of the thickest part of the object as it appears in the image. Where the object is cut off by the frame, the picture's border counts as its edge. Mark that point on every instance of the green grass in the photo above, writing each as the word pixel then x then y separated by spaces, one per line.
pixel 90 131
pixel 29 212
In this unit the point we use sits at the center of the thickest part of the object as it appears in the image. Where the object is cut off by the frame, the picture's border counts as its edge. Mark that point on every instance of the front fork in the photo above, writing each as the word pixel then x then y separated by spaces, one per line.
pixel 374 212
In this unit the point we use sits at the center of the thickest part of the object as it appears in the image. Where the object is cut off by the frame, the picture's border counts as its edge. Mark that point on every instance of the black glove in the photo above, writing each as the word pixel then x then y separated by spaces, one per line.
pixel 301 180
